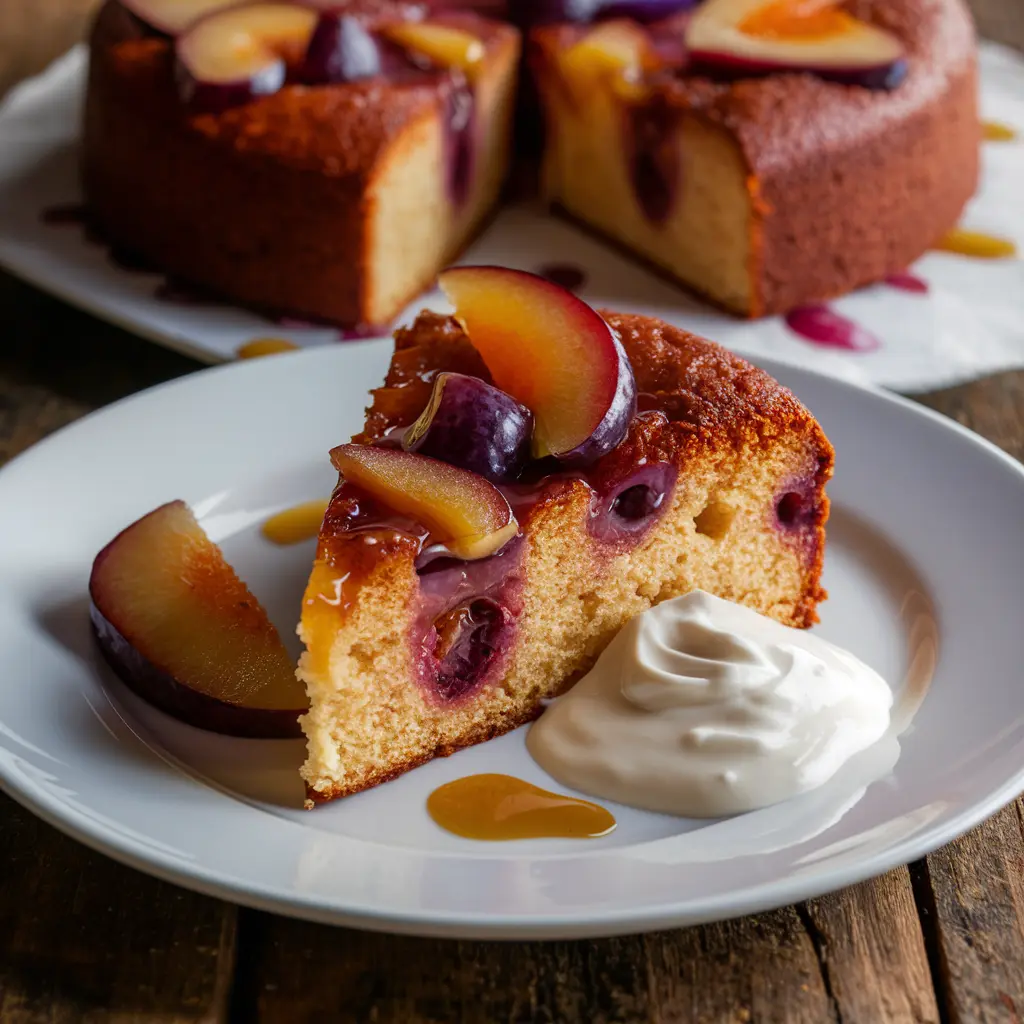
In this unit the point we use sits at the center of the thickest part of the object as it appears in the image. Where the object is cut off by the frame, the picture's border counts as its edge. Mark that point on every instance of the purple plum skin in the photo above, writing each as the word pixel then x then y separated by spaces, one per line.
pixel 159 688
pixel 342 49
pixel 529 13
pixel 883 77
pixel 624 516
pixel 473 425
pixel 615 424
pixel 213 97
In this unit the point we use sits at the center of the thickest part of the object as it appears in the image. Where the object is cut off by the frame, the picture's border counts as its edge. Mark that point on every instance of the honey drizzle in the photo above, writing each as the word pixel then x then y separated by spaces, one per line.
pixel 294 525
pixel 976 244
pixel 259 347
pixel 996 131
pixel 497 807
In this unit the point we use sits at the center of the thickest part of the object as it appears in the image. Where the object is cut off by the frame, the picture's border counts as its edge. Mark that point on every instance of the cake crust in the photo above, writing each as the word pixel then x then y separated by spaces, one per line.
pixel 845 185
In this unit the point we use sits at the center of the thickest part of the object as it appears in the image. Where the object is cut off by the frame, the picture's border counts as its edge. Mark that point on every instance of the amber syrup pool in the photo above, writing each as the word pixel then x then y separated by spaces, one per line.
pixel 295 525
pixel 497 807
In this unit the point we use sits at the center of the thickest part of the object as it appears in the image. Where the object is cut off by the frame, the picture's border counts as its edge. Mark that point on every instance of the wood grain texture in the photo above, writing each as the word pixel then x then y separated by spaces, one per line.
pixel 971 893
pixel 854 957
pixel 84 939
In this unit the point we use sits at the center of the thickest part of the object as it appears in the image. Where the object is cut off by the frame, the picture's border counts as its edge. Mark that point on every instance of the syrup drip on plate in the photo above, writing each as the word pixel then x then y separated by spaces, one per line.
pixel 497 807
pixel 823 326
pixel 977 244
pixel 259 347
pixel 996 131
pixel 905 281
pixel 294 525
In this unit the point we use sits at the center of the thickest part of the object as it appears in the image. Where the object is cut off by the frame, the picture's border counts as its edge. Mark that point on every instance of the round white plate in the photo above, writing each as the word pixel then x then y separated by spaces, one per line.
pixel 925 549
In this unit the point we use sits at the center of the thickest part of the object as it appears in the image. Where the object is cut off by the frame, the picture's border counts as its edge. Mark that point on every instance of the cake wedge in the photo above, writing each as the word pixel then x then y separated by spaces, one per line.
pixel 705 473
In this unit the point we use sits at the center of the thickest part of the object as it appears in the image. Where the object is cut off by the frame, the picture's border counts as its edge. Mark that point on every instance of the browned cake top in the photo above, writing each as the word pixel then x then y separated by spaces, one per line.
pixel 709 395
pixel 785 118
pixel 334 129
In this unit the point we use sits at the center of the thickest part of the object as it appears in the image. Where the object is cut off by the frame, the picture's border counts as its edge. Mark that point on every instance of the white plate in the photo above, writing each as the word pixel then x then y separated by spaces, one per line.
pixel 925 546
pixel 970 324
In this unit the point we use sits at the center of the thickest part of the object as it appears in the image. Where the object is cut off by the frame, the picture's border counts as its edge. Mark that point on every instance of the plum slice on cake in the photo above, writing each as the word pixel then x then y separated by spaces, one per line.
pixel 445 605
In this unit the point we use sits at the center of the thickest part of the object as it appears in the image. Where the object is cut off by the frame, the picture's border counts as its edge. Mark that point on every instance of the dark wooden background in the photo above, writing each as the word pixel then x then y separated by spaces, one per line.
pixel 84 939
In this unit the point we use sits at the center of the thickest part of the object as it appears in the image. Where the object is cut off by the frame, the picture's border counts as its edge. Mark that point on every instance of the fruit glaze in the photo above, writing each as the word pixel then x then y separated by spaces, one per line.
pixel 226 54
pixel 495 463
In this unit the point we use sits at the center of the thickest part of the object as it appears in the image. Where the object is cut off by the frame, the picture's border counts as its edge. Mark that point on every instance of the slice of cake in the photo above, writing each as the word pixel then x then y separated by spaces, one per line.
pixel 324 164
pixel 531 476
pixel 765 153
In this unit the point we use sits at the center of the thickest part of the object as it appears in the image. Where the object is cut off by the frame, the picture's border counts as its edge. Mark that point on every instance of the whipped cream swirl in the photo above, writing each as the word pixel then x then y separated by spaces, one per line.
pixel 702 707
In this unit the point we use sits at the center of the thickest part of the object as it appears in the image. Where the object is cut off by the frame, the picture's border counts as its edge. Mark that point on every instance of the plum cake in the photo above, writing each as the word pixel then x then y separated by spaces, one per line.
pixel 533 474
pixel 322 162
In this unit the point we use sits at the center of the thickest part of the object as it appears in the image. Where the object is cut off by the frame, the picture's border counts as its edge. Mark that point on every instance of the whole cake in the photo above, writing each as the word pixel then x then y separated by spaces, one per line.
pixel 327 160
pixel 531 476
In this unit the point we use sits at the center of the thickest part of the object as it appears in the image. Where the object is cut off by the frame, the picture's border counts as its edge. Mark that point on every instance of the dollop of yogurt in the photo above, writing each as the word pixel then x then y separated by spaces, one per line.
pixel 702 707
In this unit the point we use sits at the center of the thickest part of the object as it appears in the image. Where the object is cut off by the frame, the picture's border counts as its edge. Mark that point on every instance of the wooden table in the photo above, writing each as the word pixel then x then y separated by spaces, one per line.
pixel 82 938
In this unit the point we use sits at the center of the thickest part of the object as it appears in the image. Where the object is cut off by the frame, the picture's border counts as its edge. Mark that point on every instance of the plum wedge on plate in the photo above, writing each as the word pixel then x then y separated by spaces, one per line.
pixel 176 623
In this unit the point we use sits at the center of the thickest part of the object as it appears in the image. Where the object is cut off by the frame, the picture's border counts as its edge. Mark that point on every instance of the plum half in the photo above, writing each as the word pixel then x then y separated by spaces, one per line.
pixel 552 352
pixel 462 510
pixel 238 53
pixel 471 424
pixel 181 629
pixel 737 37
pixel 173 16
pixel 343 49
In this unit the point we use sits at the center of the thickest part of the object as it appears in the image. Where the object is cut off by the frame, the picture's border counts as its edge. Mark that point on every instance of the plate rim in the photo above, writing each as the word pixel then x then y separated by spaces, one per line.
pixel 760 897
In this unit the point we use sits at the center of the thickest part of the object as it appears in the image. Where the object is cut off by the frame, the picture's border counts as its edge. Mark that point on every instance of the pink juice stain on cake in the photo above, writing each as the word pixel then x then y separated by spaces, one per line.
pixel 566 275
pixel 822 325
pixel 905 281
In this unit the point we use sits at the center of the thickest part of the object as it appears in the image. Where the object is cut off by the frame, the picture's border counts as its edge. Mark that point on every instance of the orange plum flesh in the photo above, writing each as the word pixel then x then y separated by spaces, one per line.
pixel 462 510
pixel 550 351
pixel 181 629
pixel 441 44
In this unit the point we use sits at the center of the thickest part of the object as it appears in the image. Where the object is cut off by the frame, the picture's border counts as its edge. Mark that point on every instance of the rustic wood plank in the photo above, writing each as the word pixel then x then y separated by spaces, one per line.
pixel 760 969
pixel 857 956
pixel 975 902
pixel 84 938
pixel 56 364
pixel 971 893
pixel 872 952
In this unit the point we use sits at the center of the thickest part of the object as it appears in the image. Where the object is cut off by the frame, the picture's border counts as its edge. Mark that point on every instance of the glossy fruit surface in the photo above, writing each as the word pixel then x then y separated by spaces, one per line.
pixel 240 53
pixel 469 423
pixel 343 49
pixel 442 45
pixel 173 16
pixel 739 37
pixel 183 631
pixel 550 351
pixel 462 510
